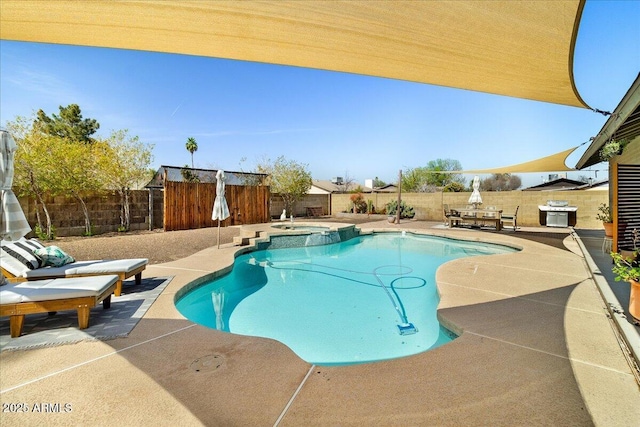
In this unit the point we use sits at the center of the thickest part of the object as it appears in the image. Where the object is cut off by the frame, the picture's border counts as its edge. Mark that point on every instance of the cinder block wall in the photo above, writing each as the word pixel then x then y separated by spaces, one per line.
pixel 104 208
pixel 300 208
pixel 104 212
pixel 429 206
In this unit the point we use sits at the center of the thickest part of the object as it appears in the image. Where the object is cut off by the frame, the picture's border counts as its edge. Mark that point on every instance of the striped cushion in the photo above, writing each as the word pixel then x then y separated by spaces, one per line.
pixel 22 251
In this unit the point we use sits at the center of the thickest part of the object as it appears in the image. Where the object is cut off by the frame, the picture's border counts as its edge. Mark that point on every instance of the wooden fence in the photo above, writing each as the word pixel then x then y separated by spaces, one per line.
pixel 190 205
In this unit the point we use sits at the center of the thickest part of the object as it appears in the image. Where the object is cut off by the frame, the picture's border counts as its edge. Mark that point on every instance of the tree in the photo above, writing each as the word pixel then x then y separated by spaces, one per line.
pixel 33 169
pixel 377 183
pixel 453 187
pixel 436 169
pixel 501 182
pixel 288 178
pixel 345 184
pixel 68 125
pixel 192 147
pixel 76 173
pixel 49 164
pixel 189 175
pixel 123 162
pixel 428 179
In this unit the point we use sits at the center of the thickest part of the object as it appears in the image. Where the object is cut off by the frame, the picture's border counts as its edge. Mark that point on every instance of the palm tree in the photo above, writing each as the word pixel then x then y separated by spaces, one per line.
pixel 192 147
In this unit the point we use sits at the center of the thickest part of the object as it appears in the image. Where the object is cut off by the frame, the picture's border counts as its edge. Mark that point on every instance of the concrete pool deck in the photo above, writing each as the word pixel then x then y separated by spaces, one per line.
pixel 536 347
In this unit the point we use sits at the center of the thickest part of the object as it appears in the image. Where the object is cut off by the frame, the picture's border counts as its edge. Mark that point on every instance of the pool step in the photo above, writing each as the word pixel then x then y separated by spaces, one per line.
pixel 246 234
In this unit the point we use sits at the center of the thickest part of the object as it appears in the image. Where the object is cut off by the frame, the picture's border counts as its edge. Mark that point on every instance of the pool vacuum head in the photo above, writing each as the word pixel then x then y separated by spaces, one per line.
pixel 407 329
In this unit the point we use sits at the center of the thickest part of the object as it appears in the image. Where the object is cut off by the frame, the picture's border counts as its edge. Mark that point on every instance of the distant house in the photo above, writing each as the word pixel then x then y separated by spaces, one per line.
pixel 174 174
pixel 336 186
pixel 389 188
pixel 557 184
pixel 595 186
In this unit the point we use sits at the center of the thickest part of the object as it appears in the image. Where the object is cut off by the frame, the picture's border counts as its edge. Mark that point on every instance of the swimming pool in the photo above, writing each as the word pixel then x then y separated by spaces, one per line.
pixel 366 299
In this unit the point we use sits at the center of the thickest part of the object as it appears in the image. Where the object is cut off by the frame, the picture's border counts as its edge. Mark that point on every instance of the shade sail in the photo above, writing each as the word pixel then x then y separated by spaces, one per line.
pixel 553 163
pixel 521 49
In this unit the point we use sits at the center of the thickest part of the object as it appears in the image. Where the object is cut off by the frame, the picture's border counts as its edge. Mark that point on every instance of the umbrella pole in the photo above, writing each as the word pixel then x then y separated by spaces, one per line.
pixel 218 234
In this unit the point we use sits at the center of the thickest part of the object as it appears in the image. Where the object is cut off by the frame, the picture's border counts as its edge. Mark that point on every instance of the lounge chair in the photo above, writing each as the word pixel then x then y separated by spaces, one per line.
pixel 511 218
pixel 42 296
pixel 19 263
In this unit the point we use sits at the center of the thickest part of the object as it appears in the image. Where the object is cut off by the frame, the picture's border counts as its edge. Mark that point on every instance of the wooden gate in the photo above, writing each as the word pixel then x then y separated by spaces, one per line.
pixel 190 205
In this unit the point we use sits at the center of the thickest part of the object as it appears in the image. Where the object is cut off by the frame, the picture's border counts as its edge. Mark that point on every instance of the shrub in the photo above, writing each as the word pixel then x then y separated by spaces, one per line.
pixel 42 234
pixel 453 187
pixel 358 203
pixel 406 211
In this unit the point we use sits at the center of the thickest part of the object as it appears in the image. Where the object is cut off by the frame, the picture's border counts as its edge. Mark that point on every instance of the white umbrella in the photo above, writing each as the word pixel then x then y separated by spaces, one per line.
pixel 475 199
pixel 220 208
pixel 13 224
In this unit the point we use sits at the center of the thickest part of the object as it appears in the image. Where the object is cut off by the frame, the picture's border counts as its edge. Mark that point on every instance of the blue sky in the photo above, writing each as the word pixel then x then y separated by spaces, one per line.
pixel 338 124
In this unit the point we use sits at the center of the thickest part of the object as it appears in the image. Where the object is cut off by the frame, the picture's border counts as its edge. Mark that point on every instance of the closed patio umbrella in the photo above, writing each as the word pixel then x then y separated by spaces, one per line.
pixel 220 208
pixel 13 224
pixel 475 199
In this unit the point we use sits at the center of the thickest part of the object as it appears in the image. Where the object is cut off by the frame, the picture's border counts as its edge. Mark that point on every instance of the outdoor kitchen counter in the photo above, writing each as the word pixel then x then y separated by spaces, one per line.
pixel 557 213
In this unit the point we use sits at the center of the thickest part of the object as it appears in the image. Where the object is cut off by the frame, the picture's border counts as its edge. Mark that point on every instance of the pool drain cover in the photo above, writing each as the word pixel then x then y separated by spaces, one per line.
pixel 206 363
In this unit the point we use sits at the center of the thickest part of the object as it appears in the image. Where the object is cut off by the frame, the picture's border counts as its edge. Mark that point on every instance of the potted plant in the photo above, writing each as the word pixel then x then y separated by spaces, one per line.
pixel 604 215
pixel 627 268
pixel 611 149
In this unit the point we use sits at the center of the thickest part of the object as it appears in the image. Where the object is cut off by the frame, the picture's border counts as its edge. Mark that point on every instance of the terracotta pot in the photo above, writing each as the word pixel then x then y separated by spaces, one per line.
pixel 626 253
pixel 608 229
pixel 634 300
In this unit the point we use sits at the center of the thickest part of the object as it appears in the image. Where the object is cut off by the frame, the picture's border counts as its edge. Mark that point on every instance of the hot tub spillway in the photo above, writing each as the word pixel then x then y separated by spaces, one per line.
pixel 322 238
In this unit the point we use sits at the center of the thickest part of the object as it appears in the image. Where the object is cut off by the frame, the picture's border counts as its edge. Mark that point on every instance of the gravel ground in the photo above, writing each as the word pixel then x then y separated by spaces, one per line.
pixel 155 245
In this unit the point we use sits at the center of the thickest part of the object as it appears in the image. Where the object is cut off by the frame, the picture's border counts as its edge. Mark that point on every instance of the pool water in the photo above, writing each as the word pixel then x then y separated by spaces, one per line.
pixel 336 304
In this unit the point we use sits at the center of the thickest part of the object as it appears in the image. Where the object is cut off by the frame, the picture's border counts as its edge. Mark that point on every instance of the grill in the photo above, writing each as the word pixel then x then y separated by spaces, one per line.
pixel 556 213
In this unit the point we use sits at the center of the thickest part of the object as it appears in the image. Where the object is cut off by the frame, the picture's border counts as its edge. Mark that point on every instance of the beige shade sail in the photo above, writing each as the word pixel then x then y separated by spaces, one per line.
pixel 522 49
pixel 553 163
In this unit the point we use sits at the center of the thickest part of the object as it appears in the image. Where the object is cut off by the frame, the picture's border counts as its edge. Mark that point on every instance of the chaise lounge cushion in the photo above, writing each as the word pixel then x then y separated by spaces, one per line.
pixel 55 289
pixel 19 268
pixel 87 268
